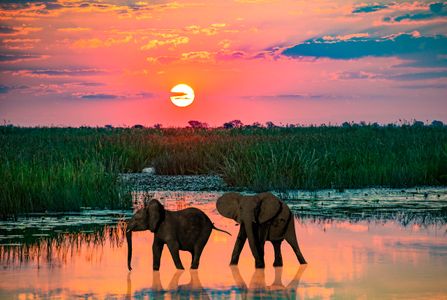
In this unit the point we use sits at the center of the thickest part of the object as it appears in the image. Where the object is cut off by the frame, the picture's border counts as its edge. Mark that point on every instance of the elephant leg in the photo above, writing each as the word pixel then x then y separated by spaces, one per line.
pixel 199 246
pixel 239 245
pixel 256 246
pixel 290 237
pixel 174 249
pixel 278 256
pixel 157 249
pixel 196 257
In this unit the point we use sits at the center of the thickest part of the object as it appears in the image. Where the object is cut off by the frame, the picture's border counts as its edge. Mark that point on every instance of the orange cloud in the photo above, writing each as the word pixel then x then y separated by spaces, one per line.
pixel 173 41
pixel 99 43
pixel 210 30
pixel 73 29
pixel 197 56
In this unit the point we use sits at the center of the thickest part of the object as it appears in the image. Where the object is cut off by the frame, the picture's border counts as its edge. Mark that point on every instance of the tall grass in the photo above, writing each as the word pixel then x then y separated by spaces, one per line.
pixel 67 168
pixel 313 158
pixel 57 170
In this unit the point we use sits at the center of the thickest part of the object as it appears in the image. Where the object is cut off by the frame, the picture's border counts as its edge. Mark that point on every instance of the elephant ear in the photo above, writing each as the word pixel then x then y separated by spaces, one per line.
pixel 228 205
pixel 156 214
pixel 270 206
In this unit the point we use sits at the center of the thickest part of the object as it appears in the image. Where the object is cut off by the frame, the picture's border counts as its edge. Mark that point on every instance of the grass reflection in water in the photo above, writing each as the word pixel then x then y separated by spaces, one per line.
pixel 56 248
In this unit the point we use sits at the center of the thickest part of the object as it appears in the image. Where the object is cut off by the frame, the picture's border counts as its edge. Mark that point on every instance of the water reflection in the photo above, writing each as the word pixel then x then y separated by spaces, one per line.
pixel 365 259
pixel 256 289
pixel 54 250
pixel 259 289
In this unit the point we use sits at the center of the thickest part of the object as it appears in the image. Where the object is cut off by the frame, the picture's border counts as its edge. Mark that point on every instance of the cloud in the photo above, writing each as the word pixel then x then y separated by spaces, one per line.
pixel 197 56
pixel 99 96
pixel 20 44
pixel 109 96
pixel 98 43
pixel 17 30
pixel 345 37
pixel 6 29
pixel 175 41
pixel 212 29
pixel 410 46
pixel 369 8
pixel 57 73
pixel 231 55
pixel 73 29
pixel 407 76
pixel 164 59
pixel 19 57
pixel 425 86
pixel 301 97
pixel 419 75
pixel 433 11
pixel 4 89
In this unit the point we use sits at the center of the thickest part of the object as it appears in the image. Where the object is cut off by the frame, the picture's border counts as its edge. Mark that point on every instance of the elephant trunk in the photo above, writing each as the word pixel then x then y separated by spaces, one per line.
pixel 254 242
pixel 129 249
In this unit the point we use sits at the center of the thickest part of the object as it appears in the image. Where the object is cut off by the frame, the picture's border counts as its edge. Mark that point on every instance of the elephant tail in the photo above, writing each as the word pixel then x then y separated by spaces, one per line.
pixel 218 229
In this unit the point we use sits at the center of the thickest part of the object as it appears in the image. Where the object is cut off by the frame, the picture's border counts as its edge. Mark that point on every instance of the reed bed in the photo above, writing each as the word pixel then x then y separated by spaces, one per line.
pixel 61 169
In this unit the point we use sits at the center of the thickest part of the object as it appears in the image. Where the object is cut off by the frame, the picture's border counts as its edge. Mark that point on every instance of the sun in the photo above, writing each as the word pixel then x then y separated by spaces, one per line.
pixel 182 95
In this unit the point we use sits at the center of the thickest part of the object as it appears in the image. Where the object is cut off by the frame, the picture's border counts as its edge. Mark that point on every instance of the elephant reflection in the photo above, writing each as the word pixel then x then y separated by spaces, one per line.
pixel 192 290
pixel 258 288
pixel 262 217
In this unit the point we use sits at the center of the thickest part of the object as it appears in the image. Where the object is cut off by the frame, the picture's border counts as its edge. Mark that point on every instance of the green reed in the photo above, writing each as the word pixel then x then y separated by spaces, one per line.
pixel 67 168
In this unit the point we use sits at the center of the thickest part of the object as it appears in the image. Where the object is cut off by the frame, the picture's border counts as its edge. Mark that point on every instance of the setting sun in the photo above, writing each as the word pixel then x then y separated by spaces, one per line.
pixel 182 95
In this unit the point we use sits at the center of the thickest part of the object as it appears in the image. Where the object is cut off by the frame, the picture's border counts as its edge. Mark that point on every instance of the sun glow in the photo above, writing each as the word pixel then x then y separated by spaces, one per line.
pixel 182 95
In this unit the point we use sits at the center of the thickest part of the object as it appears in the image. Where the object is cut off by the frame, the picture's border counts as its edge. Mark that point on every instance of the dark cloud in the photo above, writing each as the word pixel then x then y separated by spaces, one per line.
pixel 49 73
pixel 90 83
pixel 106 96
pixel 301 97
pixel 144 95
pixel 14 57
pixel 7 29
pixel 6 89
pixel 419 75
pixel 392 76
pixel 369 8
pixel 21 4
pixel 425 86
pixel 434 10
pixel 99 96
pixel 424 50
pixel 65 72
pixel 39 7
pixel 27 1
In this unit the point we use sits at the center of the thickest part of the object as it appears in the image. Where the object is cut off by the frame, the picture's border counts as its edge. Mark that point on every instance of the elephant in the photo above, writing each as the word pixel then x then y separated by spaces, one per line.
pixel 262 217
pixel 187 229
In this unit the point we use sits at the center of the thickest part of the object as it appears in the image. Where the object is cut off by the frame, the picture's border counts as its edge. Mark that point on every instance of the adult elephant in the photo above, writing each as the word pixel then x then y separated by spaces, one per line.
pixel 262 217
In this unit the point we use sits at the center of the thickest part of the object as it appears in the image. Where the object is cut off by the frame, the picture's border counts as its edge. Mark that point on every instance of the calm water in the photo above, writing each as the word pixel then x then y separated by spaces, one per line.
pixel 374 259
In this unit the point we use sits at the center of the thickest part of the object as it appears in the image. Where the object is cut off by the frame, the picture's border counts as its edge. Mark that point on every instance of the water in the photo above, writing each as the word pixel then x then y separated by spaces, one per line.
pixel 376 258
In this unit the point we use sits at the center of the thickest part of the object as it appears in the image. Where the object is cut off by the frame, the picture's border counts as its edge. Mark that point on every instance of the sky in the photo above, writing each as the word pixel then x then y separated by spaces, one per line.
pixel 74 63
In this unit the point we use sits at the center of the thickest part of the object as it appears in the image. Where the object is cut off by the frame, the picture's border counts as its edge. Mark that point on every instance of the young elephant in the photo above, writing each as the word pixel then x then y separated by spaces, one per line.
pixel 187 229
pixel 262 217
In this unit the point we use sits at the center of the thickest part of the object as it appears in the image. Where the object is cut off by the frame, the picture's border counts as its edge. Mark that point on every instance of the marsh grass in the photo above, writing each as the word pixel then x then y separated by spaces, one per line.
pixel 67 168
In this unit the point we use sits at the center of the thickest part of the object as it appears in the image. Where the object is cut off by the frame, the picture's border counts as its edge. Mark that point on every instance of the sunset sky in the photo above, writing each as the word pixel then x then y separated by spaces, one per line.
pixel 71 62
